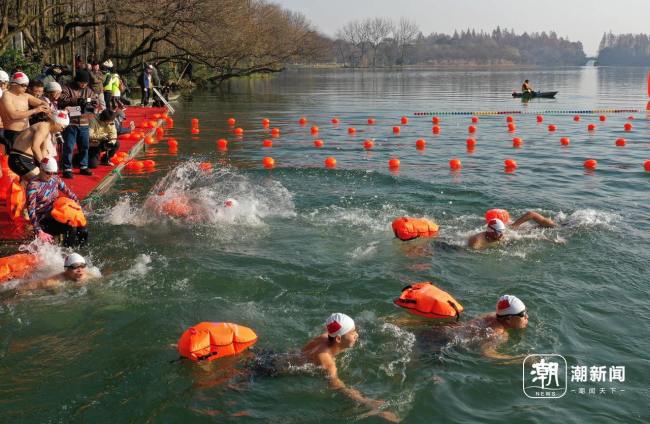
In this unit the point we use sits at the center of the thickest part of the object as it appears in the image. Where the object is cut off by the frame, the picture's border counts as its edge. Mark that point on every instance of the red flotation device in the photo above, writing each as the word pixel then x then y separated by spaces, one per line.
pixel 406 228
pixel 429 301
pixel 67 211
pixel 214 340
pixel 15 266
pixel 501 214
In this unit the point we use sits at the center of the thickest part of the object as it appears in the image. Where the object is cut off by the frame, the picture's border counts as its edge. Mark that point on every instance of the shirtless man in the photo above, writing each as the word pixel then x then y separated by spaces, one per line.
pixel 15 107
pixel 495 232
pixel 526 87
pixel 74 271
pixel 34 144
pixel 340 335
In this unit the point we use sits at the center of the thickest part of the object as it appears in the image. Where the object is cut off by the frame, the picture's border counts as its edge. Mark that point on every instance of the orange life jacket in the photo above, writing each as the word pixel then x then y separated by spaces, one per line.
pixel 67 211
pixel 406 228
pixel 16 200
pixel 16 266
pixel 501 214
pixel 429 301
pixel 214 340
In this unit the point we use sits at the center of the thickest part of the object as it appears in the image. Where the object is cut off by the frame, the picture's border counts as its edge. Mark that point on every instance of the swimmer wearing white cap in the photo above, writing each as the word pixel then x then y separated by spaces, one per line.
pixel 495 231
pixel 510 314
pixel 74 271
pixel 340 334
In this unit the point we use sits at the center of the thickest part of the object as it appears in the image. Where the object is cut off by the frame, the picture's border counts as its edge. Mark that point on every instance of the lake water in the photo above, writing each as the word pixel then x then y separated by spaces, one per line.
pixel 306 241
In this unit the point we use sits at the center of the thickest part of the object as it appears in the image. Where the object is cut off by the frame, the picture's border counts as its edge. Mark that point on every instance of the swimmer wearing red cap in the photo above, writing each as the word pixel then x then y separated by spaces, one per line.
pixel 495 232
pixel 341 334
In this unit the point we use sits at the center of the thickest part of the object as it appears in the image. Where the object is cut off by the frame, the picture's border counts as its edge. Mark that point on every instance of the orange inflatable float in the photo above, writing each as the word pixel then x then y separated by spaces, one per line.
pixel 214 340
pixel 501 214
pixel 67 211
pixel 15 266
pixel 429 301
pixel 406 228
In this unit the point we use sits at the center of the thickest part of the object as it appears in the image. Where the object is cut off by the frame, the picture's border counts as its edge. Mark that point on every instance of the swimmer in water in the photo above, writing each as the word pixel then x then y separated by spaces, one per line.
pixel 495 232
pixel 341 334
pixel 74 271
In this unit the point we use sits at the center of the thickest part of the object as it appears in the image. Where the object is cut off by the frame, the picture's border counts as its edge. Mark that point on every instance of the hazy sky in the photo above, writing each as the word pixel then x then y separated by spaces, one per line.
pixel 579 20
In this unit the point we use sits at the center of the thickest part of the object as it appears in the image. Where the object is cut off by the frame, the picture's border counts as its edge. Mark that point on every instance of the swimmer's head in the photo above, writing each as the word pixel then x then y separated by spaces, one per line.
pixel 75 267
pixel 341 330
pixel 230 203
pixel 511 312
pixel 49 168
pixel 495 229
pixel 60 120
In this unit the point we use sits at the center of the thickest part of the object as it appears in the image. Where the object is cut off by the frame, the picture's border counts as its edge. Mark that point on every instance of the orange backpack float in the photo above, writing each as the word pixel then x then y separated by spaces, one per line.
pixel 214 340
pixel 406 228
pixel 15 266
pixel 501 214
pixel 429 301
pixel 67 211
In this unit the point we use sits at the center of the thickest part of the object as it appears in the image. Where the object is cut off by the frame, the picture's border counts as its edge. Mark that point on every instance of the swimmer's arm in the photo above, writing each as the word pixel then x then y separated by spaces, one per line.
pixel 34 102
pixel 37 285
pixel 337 384
pixel 539 219
pixel 475 242
pixel 15 114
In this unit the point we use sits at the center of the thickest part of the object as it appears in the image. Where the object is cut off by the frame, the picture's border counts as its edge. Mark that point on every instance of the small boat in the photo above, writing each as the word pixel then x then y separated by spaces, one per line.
pixel 534 94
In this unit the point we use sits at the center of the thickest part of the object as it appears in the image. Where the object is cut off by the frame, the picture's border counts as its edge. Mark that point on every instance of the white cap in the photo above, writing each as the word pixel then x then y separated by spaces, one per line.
pixel 339 324
pixel 52 86
pixel 4 77
pixel 495 225
pixel 19 78
pixel 61 117
pixel 74 259
pixel 49 165
pixel 108 63
pixel 509 305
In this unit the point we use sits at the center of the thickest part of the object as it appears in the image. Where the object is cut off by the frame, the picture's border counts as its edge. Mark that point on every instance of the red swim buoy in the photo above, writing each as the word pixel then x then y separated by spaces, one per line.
pixel 314 130
pixel 552 128
pixel 318 143
pixel 565 141
pixel 435 129
pixel 330 162
pixel 501 214
pixel 207 341
pixel 368 144
pixel 335 121
pixel 591 127
pixel 267 143
pixel 195 122
pixel 404 120
pixel 231 122
pixel 471 143
pixel 239 131
pixel 590 164
pixel 302 121
pixel 435 120
pixel 627 126
pixel 268 162
pixel 393 163
pixel 371 121
pixel 275 132
pixel 266 122
pixel 516 142
pixel 195 130
pixel 455 164
pixel 148 163
pixel 352 130
pixel 420 144
pixel 620 142
pixel 222 144
pixel 510 119
pixel 510 164
pixel 576 118
pixel 540 119
pixel 512 127
pixel 396 130
pixel 646 165
pixel 172 142
pixel 149 140
pixel 475 119
pixel 602 118
pixel 471 129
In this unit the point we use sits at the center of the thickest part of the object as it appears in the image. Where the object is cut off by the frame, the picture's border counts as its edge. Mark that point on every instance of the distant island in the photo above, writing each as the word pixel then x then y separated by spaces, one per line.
pixel 624 50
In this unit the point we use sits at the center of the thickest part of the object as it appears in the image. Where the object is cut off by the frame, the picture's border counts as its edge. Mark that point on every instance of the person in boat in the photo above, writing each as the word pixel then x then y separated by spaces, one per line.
pixel 15 107
pixel 42 192
pixel 34 144
pixel 526 87
pixel 495 232
pixel 74 270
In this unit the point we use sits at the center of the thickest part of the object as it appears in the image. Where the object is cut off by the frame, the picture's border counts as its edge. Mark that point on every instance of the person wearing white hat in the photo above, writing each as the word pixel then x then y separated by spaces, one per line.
pixel 52 94
pixel 42 193
pixel 74 270
pixel 496 230
pixel 15 107
pixel 340 334
pixel 35 144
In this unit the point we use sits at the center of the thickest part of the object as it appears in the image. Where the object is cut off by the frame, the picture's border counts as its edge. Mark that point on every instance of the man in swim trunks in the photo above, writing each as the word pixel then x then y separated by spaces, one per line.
pixel 34 144
pixel 526 87
pixel 15 107
pixel 340 335
pixel 42 192
pixel 495 232
pixel 74 271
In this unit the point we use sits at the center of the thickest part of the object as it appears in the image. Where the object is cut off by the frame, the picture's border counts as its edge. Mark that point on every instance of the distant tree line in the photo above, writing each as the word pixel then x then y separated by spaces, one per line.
pixel 381 42
pixel 624 49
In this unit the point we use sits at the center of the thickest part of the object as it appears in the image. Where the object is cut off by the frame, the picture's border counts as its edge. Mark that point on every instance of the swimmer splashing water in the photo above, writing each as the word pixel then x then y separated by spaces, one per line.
pixel 495 232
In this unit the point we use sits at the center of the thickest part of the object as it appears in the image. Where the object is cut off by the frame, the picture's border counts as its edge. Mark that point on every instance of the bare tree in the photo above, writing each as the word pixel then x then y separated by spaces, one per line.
pixel 377 29
pixel 405 34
